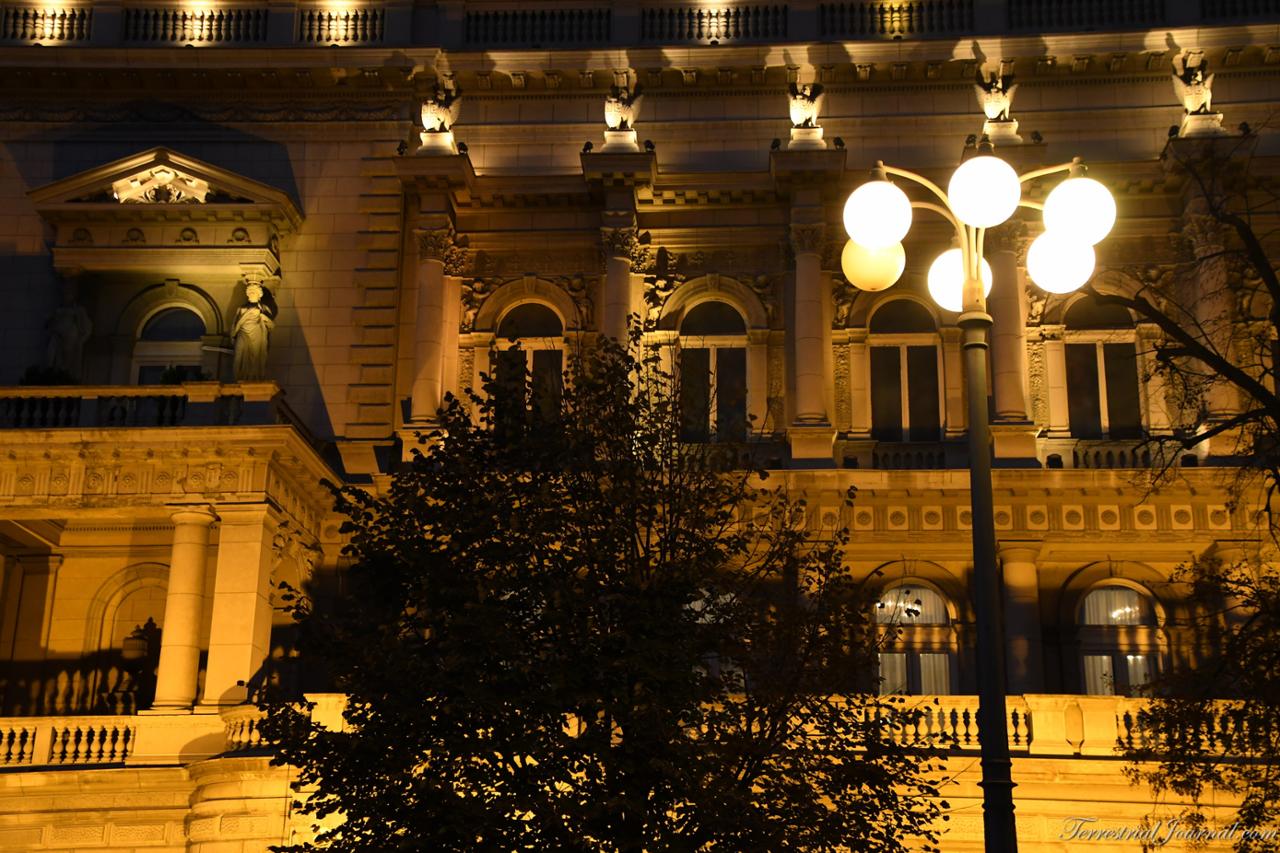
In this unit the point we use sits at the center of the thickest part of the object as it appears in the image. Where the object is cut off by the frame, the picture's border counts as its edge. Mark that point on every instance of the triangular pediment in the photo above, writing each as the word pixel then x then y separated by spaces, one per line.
pixel 161 179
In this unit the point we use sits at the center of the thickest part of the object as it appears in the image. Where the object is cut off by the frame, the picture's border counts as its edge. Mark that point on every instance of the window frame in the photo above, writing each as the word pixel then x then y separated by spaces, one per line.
pixel 165 354
pixel 1118 642
pixel 915 640
pixel 902 341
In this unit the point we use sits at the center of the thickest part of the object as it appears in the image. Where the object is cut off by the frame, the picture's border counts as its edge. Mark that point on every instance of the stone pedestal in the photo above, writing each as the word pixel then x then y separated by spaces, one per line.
pixel 620 141
pixel 1201 124
pixel 806 137
pixel 183 610
pixel 437 142
pixel 1002 132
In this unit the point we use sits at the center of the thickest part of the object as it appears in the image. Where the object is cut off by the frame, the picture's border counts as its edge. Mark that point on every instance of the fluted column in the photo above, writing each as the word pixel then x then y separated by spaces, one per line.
pixel 434 246
pixel 183 609
pixel 1025 661
pixel 617 246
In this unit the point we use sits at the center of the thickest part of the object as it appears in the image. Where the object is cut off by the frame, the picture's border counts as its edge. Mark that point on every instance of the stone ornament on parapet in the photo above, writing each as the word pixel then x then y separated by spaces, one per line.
pixel 995 96
pixel 805 105
pixel 1193 85
pixel 439 114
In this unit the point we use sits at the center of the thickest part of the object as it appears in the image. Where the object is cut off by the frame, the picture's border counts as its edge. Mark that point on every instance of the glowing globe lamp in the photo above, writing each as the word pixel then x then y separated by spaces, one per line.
pixel 877 215
pixel 984 191
pixel 1059 263
pixel 946 280
pixel 872 269
pixel 1080 208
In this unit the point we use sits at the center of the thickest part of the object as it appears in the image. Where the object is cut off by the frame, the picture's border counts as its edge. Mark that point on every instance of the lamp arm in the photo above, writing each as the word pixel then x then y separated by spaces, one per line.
pixel 944 212
pixel 1049 170
pixel 1034 205
pixel 980 239
pixel 921 180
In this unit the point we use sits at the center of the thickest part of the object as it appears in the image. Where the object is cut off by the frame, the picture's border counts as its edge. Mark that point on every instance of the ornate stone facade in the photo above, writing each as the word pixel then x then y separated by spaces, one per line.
pixel 394 259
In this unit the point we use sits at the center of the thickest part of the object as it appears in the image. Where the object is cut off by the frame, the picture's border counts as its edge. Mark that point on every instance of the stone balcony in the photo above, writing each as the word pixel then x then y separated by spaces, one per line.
pixel 1039 725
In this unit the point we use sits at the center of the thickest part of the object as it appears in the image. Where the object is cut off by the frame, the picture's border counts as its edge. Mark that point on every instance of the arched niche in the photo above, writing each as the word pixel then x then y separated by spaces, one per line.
pixel 514 293
pixel 866 305
pixel 1137 576
pixel 136 583
pixel 717 288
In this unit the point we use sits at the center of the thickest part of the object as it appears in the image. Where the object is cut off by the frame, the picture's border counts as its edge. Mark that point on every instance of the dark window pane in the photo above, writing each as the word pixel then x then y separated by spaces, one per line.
pixel 1124 412
pixel 886 394
pixel 925 423
pixel 731 394
pixel 174 324
pixel 695 394
pixel 902 315
pixel 509 391
pixel 1088 313
pixel 547 381
pixel 530 320
pixel 712 318
pixel 1082 391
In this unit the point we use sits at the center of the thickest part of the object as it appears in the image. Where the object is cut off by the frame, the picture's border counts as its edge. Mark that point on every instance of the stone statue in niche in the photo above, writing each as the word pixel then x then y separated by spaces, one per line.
pixel 69 328
pixel 251 332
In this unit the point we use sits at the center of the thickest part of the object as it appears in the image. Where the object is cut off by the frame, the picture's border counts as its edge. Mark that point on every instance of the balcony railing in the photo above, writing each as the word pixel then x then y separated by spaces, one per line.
pixel 511 24
pixel 1047 725
pixel 107 406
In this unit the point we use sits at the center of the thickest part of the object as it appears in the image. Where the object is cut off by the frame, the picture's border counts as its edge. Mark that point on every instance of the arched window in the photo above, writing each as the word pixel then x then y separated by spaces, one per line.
pixel 1119 641
pixel 916 641
pixel 169 348
pixel 713 373
pixel 530 359
pixel 1102 372
pixel 906 403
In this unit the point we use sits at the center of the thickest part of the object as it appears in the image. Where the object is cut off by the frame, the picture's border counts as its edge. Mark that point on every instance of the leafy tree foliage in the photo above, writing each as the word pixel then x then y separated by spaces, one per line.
pixel 569 630
pixel 1214 726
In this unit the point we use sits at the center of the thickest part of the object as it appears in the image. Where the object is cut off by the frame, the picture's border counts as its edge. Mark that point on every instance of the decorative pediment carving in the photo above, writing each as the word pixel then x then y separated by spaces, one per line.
pixel 134 186
pixel 160 185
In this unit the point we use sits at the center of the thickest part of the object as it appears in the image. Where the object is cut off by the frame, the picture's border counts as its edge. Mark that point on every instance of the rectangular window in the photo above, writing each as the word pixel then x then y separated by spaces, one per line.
pixel 1099 678
pixel 1124 412
pixel 547 381
pixel 731 394
pixel 886 394
pixel 923 419
pixel 1083 408
pixel 935 674
pixel 1139 672
pixel 893 672
pixel 695 394
pixel 509 394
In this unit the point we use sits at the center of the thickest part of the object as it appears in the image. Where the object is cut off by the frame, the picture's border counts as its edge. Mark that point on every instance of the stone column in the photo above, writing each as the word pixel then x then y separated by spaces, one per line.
pixel 806 241
pixel 434 245
pixel 240 636
pixel 617 246
pixel 183 609
pixel 811 434
pixel 953 383
pixel 1025 672
pixel 1008 307
pixel 859 384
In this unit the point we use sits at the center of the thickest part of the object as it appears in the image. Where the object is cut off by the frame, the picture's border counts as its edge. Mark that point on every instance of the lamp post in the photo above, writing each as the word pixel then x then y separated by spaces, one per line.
pixel 982 193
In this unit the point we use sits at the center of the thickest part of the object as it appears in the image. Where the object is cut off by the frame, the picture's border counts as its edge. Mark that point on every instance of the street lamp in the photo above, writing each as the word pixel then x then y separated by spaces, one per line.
pixel 982 193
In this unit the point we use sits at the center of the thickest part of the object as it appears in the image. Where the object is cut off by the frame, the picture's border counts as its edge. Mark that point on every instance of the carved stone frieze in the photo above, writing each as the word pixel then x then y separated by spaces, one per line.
pixel 1204 234
pixel 1037 299
pixel 844 400
pixel 808 239
pixel 1010 236
pixel 668 270
pixel 442 244
pixel 1038 382
pixel 776 418
pixel 475 291
pixel 239 112
pixel 618 242
pixel 843 295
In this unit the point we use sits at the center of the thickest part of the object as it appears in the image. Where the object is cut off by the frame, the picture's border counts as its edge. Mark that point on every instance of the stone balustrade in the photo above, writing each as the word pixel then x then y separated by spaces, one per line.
pixel 113 406
pixel 489 25
pixel 1039 725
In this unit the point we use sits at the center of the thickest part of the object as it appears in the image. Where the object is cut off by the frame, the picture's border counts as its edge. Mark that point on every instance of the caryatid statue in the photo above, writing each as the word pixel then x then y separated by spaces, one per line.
pixel 251 332
pixel 69 329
